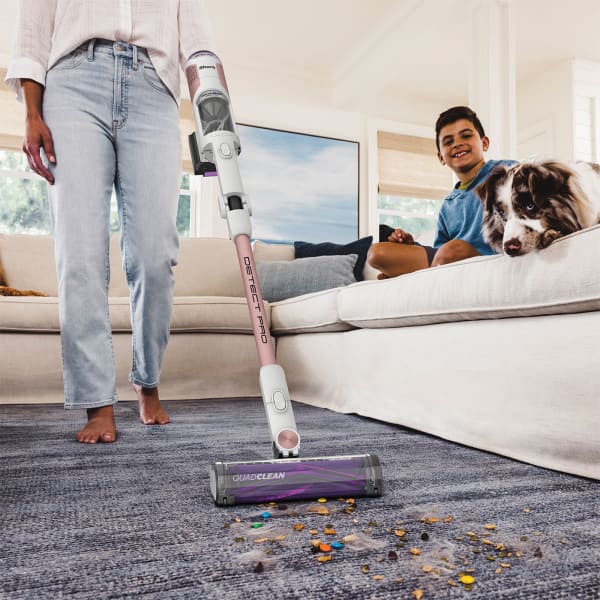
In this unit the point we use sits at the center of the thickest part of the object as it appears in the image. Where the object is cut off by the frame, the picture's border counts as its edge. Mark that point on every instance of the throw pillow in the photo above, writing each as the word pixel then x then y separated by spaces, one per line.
pixel 285 279
pixel 269 251
pixel 359 247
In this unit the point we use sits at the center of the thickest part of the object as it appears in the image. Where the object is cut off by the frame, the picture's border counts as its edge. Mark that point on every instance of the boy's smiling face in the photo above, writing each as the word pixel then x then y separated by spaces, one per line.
pixel 462 148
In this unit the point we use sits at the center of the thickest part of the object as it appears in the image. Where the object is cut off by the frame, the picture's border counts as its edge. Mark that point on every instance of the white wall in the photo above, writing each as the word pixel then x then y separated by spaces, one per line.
pixel 586 77
pixel 559 113
pixel 545 114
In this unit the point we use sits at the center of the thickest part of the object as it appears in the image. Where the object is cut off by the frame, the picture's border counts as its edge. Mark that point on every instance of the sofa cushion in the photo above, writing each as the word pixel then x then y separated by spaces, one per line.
pixel 38 271
pixel 312 313
pixel 195 314
pixel 289 278
pixel 359 247
pixel 208 267
pixel 190 314
pixel 29 314
pixel 563 278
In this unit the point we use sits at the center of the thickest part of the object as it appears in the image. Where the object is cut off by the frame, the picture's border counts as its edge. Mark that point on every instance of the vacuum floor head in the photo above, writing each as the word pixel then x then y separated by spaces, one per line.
pixel 295 479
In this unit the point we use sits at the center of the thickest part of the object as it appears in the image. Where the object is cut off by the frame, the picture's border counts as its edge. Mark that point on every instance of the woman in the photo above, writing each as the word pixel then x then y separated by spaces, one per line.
pixel 100 82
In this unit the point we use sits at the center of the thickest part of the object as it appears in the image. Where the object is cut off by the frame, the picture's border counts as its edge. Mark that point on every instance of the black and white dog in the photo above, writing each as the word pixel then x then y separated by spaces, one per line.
pixel 529 205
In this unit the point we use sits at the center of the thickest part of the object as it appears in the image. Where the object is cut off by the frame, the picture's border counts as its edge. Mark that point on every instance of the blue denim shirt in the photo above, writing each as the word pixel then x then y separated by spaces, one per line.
pixel 461 215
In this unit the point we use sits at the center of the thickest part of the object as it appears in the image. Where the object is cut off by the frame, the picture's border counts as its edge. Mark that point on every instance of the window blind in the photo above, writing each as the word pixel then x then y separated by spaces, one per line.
pixel 409 167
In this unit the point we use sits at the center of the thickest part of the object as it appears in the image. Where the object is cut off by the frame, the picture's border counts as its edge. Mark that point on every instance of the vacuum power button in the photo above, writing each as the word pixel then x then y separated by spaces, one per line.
pixel 225 150
pixel 279 400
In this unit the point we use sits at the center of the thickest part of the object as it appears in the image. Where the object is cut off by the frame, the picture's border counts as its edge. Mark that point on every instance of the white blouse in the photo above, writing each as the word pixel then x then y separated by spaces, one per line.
pixel 170 30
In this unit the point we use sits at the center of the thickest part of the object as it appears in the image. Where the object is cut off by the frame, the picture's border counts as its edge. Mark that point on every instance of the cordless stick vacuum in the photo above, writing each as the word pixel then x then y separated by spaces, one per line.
pixel 214 148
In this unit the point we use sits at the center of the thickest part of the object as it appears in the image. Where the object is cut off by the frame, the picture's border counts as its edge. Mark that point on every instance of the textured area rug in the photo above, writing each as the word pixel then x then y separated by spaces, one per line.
pixel 136 518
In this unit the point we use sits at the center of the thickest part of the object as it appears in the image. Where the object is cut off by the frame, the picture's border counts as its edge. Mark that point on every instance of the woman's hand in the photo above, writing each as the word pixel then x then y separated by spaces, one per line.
pixel 38 136
pixel 37 133
pixel 401 237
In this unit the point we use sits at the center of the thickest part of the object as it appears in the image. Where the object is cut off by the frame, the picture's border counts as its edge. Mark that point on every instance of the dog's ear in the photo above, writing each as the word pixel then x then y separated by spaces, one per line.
pixel 487 190
pixel 549 177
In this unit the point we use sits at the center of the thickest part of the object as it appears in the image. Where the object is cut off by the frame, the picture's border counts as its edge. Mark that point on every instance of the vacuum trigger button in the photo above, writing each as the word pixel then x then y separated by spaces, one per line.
pixel 225 150
pixel 279 400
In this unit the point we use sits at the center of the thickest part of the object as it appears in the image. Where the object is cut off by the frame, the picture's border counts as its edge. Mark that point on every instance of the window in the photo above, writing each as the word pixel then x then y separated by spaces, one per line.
pixel 24 199
pixel 23 196
pixel 415 215
pixel 411 184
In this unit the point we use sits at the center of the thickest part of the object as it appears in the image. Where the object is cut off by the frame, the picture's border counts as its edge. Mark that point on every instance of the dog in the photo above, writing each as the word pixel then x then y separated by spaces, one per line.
pixel 529 205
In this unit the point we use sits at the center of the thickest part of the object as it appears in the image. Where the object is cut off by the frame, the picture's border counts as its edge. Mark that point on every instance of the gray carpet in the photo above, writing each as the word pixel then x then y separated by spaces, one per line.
pixel 136 519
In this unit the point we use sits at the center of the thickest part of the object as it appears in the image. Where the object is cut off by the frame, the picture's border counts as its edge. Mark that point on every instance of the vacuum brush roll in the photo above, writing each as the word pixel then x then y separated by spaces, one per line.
pixel 295 479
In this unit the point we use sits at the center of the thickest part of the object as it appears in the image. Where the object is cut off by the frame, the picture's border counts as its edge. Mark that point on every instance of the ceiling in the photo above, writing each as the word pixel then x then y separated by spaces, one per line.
pixel 395 49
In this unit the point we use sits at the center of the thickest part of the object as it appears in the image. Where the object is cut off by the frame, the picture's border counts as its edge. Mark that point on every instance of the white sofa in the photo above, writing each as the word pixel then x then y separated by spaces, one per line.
pixel 497 353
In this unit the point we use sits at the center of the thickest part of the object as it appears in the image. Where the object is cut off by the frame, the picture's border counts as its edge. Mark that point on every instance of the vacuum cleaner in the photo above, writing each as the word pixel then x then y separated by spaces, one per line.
pixel 214 147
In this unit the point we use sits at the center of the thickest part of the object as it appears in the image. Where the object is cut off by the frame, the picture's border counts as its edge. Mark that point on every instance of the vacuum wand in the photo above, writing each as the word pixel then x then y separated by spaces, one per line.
pixel 214 148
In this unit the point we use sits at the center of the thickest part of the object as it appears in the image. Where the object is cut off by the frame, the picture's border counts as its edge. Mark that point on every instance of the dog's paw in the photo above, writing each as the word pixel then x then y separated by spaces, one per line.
pixel 548 237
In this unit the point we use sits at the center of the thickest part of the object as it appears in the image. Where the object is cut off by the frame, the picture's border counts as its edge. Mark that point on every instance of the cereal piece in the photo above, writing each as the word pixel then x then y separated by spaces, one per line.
pixel 324 547
pixel 418 594
pixel 378 577
pixel 429 520
pixel 467 579
pixel 415 551
pixel 365 569
pixel 322 500
pixel 399 532
pixel 427 568
pixel 299 526
pixel 324 558
pixel 329 531
pixel 489 526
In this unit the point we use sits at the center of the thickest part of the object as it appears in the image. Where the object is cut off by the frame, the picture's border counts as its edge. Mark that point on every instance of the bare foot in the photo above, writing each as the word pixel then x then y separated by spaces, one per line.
pixel 151 410
pixel 100 426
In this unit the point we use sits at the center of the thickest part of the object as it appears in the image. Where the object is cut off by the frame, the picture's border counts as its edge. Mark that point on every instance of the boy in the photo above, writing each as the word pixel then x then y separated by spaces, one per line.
pixel 461 143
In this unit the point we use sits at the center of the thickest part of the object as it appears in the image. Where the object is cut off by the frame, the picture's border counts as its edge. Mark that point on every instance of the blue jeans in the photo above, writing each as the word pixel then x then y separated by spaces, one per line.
pixel 113 123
